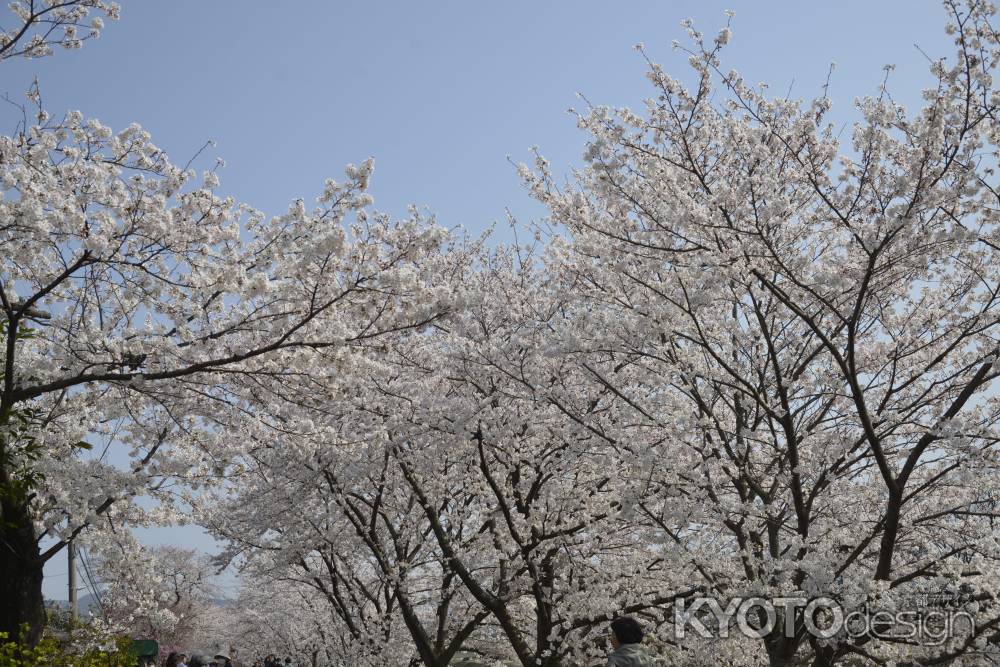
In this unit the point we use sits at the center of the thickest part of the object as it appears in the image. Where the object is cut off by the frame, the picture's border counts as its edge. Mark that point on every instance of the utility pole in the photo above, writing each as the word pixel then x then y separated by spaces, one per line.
pixel 74 612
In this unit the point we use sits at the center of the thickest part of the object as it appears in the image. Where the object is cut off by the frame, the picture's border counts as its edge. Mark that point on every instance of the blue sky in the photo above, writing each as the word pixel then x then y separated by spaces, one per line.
pixel 439 92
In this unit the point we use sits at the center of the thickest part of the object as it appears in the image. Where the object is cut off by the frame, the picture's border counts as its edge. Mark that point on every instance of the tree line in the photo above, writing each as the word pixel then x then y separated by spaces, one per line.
pixel 736 359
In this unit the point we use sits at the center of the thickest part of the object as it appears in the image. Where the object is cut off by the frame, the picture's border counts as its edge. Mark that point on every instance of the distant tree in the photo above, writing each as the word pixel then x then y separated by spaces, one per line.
pixel 159 593
pixel 447 500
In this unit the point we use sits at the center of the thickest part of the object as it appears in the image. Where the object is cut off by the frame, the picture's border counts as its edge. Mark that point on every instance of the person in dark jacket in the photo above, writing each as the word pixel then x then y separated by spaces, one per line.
pixel 626 639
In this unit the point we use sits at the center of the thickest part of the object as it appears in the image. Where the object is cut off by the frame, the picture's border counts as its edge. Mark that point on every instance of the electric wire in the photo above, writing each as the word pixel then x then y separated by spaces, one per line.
pixel 90 582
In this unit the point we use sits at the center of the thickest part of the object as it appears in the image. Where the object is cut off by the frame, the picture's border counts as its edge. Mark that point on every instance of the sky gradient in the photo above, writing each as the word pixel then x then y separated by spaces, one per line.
pixel 440 93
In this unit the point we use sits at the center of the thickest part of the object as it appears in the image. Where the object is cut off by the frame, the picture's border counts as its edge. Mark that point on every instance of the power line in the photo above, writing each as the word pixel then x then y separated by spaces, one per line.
pixel 90 583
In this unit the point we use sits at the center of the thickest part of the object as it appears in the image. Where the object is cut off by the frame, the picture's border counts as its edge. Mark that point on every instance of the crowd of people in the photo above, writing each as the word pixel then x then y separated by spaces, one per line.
pixel 195 660
pixel 272 661
pixel 625 632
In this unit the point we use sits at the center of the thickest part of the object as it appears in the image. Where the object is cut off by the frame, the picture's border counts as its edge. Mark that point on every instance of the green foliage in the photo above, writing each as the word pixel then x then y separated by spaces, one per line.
pixel 50 652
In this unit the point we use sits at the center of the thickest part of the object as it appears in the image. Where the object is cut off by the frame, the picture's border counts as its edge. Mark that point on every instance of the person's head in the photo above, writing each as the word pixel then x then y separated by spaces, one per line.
pixel 196 661
pixel 288 661
pixel 181 657
pixel 625 630
pixel 172 659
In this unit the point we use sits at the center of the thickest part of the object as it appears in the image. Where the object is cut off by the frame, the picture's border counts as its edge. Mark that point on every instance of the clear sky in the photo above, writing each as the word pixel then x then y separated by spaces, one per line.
pixel 440 92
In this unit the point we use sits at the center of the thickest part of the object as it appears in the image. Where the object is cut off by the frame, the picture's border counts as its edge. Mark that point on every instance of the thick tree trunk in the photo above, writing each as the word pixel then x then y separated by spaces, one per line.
pixel 21 602
pixel 782 659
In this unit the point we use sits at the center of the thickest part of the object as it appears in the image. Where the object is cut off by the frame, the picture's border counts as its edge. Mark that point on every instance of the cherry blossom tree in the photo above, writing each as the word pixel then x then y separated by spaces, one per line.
pixel 136 590
pixel 281 614
pixel 37 26
pixel 450 497
pixel 160 593
pixel 354 550
pixel 560 552
pixel 134 298
pixel 357 536
pixel 806 334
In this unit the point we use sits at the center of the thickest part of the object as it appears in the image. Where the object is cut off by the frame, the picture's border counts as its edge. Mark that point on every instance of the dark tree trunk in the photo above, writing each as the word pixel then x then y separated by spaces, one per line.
pixel 824 656
pixel 21 602
pixel 780 652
